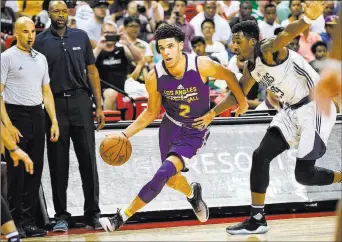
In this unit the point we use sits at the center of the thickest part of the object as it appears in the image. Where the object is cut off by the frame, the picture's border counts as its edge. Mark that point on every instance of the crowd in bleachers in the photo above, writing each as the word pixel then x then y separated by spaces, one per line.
pixel 112 24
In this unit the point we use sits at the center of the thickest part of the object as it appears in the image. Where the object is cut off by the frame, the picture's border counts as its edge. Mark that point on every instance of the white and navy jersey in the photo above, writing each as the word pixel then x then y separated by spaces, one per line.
pixel 291 79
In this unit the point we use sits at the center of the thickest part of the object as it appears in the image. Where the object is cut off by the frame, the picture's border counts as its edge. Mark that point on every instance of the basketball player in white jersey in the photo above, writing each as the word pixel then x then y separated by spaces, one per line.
pixel 292 79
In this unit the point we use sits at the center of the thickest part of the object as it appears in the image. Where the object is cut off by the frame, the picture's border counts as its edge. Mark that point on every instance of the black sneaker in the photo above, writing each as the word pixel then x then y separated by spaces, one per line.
pixel 113 223
pixel 34 231
pixel 94 225
pixel 21 231
pixel 198 205
pixel 249 226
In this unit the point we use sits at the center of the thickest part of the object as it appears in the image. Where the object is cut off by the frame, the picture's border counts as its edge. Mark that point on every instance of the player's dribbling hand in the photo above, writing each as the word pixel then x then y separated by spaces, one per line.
pixel 202 122
pixel 242 109
pixel 18 155
pixel 313 9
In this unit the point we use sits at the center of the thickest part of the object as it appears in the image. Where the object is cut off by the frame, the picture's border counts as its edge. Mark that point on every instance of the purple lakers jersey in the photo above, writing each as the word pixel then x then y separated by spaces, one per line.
pixel 185 99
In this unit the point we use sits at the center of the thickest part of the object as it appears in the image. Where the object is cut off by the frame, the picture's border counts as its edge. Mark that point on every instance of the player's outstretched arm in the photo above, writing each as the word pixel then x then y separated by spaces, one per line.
pixel 153 107
pixel 229 101
pixel 210 68
pixel 312 10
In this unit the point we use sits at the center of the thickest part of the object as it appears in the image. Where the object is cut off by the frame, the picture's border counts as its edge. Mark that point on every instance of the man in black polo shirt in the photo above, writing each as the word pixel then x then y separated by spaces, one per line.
pixel 71 63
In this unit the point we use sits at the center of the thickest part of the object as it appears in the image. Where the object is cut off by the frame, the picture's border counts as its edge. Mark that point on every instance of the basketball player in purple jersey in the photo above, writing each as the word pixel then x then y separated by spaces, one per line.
pixel 179 83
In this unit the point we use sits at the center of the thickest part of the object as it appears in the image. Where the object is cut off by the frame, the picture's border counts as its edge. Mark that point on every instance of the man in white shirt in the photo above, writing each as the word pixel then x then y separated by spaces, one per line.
pixel 212 46
pixel 209 12
pixel 268 25
pixel 132 28
pixel 93 26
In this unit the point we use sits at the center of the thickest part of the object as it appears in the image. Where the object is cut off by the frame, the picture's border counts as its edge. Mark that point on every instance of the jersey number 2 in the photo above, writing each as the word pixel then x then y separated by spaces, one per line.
pixel 185 110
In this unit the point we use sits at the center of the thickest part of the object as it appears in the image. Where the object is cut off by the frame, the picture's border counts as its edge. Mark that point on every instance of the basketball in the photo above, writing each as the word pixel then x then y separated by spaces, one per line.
pixel 115 150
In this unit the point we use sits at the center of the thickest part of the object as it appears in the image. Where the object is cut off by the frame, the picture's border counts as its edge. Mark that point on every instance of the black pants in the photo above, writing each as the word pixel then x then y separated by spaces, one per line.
pixel 75 119
pixel 23 188
pixel 271 146
pixel 5 214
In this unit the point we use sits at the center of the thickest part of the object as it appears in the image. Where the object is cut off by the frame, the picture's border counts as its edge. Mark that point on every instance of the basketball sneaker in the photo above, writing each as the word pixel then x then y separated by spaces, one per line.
pixel 198 205
pixel 113 223
pixel 250 226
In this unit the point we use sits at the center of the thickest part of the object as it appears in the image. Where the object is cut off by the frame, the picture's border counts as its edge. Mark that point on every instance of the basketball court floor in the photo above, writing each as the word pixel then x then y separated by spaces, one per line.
pixel 302 227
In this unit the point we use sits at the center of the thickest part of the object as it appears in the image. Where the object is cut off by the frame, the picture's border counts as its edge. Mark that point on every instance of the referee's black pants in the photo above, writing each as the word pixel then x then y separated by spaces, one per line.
pixel 75 120
pixel 23 188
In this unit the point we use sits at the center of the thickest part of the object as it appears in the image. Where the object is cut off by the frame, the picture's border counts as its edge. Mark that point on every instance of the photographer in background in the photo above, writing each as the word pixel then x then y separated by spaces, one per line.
pixel 138 11
pixel 113 54
pixel 178 19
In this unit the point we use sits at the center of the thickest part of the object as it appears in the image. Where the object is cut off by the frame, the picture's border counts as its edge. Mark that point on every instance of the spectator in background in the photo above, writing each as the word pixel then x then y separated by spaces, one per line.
pixel 168 7
pixel 137 11
pixel 213 47
pixel 330 24
pixel 283 10
pixel 113 54
pixel 245 11
pixel 296 10
pixel 83 11
pixel 178 19
pixel 29 8
pixel 7 21
pixel 132 28
pixel 198 45
pixel 307 39
pixel 118 9
pixel 133 87
pixel 210 12
pixel 319 49
pixel 268 25
pixel 228 9
pixel 153 45
pixel 329 8
pixel 154 12
pixel 94 25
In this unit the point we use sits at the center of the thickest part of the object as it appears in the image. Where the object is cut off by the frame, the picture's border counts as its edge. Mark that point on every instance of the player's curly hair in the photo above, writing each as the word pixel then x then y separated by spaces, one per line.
pixel 168 31
pixel 248 28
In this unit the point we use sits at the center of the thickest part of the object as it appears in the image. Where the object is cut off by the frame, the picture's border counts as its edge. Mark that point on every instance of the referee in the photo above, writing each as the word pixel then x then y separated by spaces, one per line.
pixel 25 85
pixel 71 64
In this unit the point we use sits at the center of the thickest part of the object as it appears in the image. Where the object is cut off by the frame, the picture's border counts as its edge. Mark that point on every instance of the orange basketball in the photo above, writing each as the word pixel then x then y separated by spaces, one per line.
pixel 116 150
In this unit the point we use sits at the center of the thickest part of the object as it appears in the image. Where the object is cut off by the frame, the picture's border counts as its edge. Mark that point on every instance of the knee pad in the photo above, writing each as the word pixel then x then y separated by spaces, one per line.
pixel 304 172
pixel 154 187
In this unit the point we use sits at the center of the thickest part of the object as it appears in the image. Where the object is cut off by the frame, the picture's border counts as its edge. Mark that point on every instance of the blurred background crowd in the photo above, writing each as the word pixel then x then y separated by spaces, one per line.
pixel 112 24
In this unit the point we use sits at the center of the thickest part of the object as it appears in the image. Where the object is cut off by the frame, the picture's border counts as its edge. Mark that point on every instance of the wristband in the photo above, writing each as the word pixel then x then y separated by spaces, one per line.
pixel 13 150
pixel 307 20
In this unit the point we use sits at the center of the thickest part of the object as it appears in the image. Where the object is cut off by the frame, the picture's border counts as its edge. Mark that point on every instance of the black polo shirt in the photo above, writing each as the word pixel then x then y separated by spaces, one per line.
pixel 67 57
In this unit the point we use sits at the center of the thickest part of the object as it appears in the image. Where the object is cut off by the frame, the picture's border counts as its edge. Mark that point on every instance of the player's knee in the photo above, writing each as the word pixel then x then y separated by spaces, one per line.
pixel 304 175
pixel 110 94
pixel 259 158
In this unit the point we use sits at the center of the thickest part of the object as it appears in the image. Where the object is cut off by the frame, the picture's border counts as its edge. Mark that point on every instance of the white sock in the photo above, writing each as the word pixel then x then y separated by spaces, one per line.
pixel 12 234
pixel 124 216
pixel 192 194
